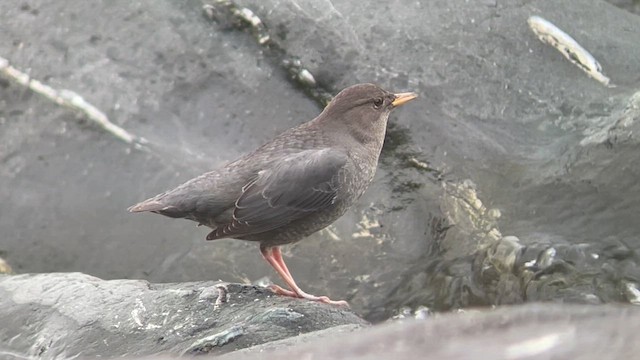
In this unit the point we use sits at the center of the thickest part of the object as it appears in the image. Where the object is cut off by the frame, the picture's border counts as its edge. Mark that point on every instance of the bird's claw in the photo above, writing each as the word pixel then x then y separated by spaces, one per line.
pixel 281 291
pixel 302 295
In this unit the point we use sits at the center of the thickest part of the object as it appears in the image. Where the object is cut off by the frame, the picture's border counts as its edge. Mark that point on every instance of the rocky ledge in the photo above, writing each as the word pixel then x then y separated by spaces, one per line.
pixel 66 315
pixel 73 315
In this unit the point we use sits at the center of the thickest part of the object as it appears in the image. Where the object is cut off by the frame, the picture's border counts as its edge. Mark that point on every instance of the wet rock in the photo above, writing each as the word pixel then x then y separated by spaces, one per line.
pixel 513 332
pixel 629 5
pixel 545 149
pixel 491 269
pixel 65 315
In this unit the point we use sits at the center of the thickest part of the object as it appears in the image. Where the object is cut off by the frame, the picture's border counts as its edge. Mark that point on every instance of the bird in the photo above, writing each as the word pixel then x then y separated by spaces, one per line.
pixel 294 185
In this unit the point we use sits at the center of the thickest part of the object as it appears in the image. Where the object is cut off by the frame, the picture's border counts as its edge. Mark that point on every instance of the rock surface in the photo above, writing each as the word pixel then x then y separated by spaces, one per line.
pixel 533 331
pixel 68 315
pixel 72 315
pixel 512 180
pixel 514 169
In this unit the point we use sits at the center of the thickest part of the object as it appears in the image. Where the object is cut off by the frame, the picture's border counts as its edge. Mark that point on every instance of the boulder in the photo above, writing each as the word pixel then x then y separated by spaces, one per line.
pixel 69 315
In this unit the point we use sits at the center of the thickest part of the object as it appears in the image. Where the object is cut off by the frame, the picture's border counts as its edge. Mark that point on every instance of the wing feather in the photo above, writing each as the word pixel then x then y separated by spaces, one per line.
pixel 302 184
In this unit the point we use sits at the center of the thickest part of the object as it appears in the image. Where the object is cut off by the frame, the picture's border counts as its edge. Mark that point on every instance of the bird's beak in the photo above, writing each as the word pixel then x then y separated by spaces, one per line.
pixel 403 98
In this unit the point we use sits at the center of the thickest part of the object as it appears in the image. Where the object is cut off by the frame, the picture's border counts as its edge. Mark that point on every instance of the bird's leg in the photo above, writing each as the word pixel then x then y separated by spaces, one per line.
pixel 268 256
pixel 274 257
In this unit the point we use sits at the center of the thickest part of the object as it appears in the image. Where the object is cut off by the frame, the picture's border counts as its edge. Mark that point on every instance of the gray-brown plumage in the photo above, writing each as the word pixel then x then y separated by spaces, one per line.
pixel 294 185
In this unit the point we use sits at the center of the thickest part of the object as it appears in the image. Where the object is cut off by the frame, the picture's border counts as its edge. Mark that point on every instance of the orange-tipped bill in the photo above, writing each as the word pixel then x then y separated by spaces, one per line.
pixel 403 98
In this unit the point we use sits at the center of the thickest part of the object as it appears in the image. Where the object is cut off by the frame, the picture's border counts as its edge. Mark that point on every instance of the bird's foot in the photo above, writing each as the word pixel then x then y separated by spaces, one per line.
pixel 282 291
pixel 303 295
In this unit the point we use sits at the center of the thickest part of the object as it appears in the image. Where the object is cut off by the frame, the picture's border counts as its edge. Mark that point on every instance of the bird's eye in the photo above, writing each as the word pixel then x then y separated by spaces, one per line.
pixel 377 103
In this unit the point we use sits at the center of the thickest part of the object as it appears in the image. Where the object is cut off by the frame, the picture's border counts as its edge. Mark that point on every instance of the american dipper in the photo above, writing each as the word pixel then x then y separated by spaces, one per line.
pixel 294 185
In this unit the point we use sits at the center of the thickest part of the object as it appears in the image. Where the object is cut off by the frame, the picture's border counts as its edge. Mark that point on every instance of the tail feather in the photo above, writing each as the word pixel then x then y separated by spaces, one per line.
pixel 158 207
pixel 149 205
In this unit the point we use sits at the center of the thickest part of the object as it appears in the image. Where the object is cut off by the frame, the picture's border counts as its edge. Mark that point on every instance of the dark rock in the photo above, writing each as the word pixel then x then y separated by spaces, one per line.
pixel 64 315
pixel 546 149
pixel 531 331
pixel 629 5
pixel 540 331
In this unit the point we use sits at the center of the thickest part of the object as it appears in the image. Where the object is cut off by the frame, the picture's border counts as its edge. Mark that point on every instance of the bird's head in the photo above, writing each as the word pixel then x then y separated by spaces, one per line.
pixel 363 110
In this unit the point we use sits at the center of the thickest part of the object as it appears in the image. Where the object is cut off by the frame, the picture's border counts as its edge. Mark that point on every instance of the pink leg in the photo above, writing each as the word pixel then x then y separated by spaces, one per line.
pixel 267 254
pixel 274 257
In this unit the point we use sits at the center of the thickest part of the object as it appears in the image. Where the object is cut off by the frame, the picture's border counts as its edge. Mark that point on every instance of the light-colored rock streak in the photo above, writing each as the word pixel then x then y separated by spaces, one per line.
pixel 574 52
pixel 69 99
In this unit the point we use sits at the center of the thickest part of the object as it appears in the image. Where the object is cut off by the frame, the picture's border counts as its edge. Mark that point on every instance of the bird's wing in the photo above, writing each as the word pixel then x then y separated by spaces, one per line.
pixel 297 186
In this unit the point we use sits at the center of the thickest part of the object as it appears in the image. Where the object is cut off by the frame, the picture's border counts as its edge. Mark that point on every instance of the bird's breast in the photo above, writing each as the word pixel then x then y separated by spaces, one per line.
pixel 359 173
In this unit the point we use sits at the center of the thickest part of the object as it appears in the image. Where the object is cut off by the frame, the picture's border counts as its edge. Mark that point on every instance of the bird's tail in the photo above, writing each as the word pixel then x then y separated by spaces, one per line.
pixel 159 205
pixel 148 205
